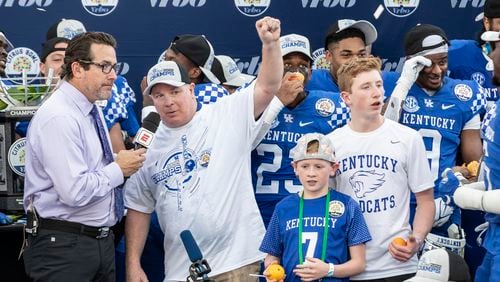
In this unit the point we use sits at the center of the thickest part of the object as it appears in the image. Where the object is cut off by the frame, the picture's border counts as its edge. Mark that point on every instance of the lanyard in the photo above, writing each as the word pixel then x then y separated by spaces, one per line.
pixel 325 228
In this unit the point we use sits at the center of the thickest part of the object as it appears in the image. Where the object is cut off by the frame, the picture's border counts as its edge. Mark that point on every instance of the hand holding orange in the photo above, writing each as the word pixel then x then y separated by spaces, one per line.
pixel 473 168
pixel 297 76
pixel 275 272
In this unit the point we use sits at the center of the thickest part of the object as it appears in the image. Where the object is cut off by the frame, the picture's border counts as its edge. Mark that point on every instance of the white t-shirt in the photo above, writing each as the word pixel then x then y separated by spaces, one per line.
pixel 379 169
pixel 197 177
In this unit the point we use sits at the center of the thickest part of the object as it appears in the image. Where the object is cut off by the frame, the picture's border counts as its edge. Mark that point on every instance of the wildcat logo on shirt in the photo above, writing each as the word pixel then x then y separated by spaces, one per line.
pixel 366 181
pixel 178 170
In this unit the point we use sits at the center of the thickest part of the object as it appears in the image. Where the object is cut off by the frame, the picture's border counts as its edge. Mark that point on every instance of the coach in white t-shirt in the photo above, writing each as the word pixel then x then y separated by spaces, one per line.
pixel 380 163
pixel 197 176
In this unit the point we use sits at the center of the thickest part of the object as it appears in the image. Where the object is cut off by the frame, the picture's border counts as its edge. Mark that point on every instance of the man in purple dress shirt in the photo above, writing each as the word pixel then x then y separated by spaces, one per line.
pixel 73 183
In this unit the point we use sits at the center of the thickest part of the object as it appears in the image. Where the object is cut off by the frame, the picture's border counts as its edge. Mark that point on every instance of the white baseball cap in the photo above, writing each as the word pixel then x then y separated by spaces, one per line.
pixel 365 27
pixel 226 70
pixel 66 28
pixel 166 72
pixel 441 265
pixel 325 149
pixel 295 43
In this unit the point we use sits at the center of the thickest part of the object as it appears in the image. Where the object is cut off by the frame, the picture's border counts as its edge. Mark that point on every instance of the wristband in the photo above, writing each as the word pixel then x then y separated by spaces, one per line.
pixel 331 269
pixel 272 110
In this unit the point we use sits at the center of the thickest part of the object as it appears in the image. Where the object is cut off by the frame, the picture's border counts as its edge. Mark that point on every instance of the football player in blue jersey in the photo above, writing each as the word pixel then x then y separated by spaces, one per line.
pixel 318 233
pixel 468 59
pixel 484 195
pixel 304 112
pixel 195 54
pixel 446 113
pixel 345 40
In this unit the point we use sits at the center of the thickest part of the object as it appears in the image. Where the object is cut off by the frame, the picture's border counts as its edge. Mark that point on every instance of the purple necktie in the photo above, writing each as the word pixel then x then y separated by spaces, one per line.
pixel 108 156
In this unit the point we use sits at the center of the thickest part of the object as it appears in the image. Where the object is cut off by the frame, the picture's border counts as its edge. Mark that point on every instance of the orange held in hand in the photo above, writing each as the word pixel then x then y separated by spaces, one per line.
pixel 275 272
pixel 473 168
pixel 297 76
pixel 399 241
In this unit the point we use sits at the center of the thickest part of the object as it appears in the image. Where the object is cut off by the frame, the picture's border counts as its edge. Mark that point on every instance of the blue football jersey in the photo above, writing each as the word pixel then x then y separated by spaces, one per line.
pixel 467 61
pixel 440 119
pixel 321 79
pixel 346 227
pixel 120 107
pixel 207 93
pixel 272 173
pixel 490 132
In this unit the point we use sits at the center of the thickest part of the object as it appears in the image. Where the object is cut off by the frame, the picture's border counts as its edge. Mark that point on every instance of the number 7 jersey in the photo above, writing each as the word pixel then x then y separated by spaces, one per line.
pixel 272 173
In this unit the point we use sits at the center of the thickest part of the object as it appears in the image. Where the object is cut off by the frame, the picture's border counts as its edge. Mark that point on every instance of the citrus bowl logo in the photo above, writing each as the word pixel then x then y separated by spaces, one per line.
pixel 16 156
pixel 319 59
pixel 19 60
pixel 99 7
pixel 252 8
pixel 401 8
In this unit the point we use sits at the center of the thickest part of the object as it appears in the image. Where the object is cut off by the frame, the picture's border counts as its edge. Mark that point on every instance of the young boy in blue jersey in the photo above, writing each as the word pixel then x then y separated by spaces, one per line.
pixel 292 113
pixel 317 233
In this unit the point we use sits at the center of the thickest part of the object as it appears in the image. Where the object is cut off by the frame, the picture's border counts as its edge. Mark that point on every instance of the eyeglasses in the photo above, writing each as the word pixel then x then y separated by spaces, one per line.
pixel 105 67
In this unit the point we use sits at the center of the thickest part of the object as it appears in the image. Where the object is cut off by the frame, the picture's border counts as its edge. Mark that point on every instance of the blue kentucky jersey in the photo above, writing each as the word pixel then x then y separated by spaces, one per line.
pixel 207 93
pixel 346 227
pixel 490 132
pixel 440 118
pixel 467 61
pixel 120 107
pixel 272 173
pixel 321 79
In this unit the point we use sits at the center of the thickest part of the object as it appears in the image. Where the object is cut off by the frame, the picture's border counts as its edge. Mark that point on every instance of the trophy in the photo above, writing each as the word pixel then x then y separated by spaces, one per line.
pixel 19 100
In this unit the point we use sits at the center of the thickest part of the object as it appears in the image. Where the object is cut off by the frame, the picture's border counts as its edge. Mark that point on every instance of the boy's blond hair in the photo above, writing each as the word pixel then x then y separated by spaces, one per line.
pixel 348 71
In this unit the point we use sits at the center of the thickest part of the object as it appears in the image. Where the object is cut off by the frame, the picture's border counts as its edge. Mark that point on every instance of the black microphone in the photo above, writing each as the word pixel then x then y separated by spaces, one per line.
pixel 199 266
pixel 146 133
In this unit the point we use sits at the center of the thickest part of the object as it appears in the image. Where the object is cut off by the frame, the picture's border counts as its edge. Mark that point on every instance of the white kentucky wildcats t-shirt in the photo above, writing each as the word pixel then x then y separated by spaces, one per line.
pixel 379 169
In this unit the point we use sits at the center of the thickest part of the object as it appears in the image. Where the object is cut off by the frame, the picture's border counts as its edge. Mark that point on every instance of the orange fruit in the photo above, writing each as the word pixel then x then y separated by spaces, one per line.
pixel 473 168
pixel 399 241
pixel 275 272
pixel 297 76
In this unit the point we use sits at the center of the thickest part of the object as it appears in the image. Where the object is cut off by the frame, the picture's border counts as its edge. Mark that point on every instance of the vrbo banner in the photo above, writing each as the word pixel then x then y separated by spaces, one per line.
pixel 144 28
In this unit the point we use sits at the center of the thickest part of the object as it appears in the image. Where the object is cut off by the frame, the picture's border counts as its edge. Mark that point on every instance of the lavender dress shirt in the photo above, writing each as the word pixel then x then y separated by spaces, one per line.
pixel 66 173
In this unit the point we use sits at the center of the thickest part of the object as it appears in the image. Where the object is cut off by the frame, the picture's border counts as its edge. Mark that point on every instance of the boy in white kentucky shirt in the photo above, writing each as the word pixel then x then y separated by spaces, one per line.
pixel 381 163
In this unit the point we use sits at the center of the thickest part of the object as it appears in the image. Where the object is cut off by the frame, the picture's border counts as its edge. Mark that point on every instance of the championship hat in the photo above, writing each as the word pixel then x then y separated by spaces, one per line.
pixel 441 265
pixel 166 72
pixel 226 70
pixel 295 43
pixel 66 28
pixel 324 150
